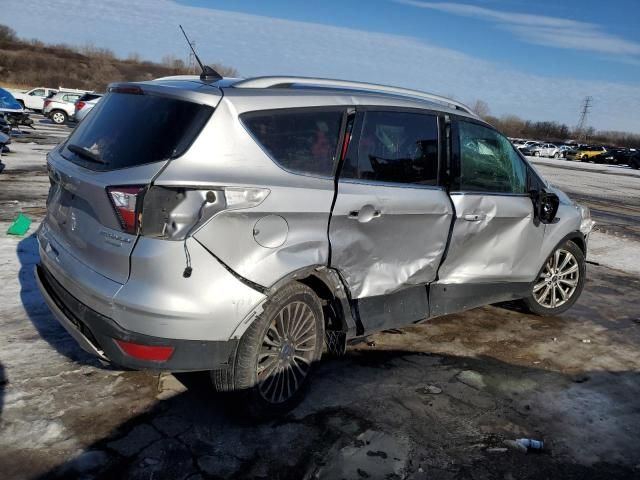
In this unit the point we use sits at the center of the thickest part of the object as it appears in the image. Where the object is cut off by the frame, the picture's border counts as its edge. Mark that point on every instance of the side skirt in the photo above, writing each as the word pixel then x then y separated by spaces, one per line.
pixel 451 298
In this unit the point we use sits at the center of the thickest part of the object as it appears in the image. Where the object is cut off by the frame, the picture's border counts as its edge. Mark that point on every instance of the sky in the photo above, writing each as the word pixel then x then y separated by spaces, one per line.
pixel 537 60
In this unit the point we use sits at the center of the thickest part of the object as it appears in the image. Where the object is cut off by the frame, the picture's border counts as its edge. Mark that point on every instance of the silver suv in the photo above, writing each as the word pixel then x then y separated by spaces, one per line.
pixel 246 226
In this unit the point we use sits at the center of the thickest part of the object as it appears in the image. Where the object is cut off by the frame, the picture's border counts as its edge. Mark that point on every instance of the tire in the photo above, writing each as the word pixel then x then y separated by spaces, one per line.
pixel 635 163
pixel 58 117
pixel 543 299
pixel 557 155
pixel 293 309
pixel 536 154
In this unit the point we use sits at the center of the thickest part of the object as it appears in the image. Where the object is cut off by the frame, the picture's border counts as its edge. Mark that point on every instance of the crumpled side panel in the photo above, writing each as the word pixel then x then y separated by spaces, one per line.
pixel 298 240
pixel 403 246
pixel 503 245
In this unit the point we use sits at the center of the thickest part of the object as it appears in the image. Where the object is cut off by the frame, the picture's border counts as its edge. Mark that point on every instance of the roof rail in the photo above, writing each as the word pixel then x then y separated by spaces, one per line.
pixel 285 82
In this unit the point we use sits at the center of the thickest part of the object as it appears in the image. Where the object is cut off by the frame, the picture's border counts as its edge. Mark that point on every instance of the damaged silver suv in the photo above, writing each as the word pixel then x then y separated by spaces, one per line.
pixel 245 226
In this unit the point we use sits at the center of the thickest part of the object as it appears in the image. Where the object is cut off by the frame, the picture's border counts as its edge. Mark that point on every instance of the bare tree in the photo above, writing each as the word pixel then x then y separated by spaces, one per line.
pixel 481 108
pixel 7 34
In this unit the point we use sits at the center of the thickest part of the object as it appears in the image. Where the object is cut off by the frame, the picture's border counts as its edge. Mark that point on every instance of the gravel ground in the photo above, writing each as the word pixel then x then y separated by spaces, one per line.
pixel 434 401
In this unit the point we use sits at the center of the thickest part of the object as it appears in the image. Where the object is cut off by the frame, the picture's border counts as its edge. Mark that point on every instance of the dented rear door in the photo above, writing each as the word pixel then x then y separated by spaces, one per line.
pixel 391 218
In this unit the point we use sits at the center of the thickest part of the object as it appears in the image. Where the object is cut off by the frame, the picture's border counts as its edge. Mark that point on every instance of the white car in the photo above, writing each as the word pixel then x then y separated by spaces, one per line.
pixel 61 107
pixel 545 150
pixel 34 99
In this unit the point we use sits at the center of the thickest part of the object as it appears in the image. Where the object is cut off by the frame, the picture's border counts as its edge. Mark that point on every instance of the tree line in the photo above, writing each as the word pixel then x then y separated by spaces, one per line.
pixel 551 131
pixel 33 63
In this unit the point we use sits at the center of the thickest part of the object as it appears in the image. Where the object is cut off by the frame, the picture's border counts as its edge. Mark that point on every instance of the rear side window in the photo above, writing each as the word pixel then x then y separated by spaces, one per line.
pixel 299 140
pixel 126 130
pixel 488 162
pixel 398 147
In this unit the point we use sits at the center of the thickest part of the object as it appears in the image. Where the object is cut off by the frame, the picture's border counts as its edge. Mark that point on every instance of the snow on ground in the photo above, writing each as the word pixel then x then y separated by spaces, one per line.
pixel 614 252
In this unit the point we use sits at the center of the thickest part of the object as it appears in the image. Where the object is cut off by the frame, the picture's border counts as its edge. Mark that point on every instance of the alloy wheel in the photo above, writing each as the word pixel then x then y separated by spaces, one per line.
pixel 286 353
pixel 57 117
pixel 558 280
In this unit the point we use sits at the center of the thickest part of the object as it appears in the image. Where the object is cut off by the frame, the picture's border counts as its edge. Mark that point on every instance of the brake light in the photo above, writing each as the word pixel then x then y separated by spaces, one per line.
pixel 130 89
pixel 153 353
pixel 125 201
pixel 47 102
pixel 79 105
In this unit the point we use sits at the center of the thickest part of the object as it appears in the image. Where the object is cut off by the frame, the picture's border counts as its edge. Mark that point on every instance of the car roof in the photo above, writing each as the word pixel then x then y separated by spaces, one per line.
pixel 286 92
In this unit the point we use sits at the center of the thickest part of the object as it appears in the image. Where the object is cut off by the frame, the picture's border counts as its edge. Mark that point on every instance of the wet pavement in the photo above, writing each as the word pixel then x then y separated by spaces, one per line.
pixel 434 401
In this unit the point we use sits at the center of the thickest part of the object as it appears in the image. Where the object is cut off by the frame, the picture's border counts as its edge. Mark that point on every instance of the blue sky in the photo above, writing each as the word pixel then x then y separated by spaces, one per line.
pixel 480 35
pixel 534 59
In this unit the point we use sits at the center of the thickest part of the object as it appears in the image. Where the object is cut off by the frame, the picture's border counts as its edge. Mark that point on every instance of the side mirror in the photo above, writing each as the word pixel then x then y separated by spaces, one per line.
pixel 545 206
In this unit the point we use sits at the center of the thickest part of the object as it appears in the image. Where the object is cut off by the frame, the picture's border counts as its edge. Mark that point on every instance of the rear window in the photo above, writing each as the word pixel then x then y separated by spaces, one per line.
pixel 89 96
pixel 126 130
pixel 299 140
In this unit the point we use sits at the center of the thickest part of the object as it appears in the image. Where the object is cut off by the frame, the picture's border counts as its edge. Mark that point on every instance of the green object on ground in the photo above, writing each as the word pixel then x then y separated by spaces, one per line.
pixel 20 225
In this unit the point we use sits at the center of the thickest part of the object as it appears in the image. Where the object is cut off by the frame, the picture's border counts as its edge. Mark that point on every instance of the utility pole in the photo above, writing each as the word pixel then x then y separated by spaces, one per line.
pixel 582 123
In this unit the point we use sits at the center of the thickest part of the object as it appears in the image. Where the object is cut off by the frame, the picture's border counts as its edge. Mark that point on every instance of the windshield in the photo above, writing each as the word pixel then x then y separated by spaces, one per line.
pixel 126 130
pixel 7 100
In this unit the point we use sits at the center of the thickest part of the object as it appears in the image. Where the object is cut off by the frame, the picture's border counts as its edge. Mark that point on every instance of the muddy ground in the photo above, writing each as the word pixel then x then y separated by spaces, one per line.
pixel 434 401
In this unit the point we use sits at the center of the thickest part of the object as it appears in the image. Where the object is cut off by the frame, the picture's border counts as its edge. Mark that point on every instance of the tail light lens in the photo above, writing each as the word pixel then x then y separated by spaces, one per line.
pixel 80 105
pixel 47 102
pixel 125 202
pixel 153 353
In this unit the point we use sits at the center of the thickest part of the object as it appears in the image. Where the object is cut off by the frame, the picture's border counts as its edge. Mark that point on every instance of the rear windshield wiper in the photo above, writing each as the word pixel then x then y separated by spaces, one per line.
pixel 85 153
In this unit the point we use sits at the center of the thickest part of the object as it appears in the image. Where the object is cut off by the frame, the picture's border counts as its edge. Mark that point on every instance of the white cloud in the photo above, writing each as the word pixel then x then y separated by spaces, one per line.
pixel 266 46
pixel 543 30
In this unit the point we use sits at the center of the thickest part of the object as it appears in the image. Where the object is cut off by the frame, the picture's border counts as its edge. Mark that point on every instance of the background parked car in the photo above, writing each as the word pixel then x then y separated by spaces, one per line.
pixel 84 105
pixel 34 99
pixel 545 150
pixel 61 106
pixel 585 153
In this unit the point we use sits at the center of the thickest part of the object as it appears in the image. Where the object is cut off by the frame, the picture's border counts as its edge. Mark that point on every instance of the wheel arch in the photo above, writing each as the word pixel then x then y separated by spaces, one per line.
pixel 327 284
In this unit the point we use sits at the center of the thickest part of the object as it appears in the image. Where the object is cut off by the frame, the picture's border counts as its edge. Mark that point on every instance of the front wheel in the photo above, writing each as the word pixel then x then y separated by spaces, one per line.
pixel 277 354
pixel 58 117
pixel 560 282
pixel 536 154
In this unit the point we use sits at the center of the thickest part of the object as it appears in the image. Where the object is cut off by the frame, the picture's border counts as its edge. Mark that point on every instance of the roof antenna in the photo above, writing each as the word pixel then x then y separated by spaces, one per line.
pixel 208 73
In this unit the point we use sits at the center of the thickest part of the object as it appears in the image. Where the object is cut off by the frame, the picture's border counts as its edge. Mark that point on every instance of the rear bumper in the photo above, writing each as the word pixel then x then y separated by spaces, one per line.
pixel 97 334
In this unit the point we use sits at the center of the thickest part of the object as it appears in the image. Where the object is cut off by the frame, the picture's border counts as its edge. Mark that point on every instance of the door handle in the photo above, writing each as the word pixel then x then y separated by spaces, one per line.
pixel 365 214
pixel 474 217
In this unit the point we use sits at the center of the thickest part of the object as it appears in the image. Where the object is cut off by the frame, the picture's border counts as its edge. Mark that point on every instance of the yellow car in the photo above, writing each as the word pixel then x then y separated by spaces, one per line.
pixel 585 153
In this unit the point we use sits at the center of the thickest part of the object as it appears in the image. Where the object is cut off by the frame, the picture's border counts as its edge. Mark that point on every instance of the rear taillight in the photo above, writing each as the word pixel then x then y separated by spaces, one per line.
pixel 79 105
pixel 125 202
pixel 153 353
pixel 47 102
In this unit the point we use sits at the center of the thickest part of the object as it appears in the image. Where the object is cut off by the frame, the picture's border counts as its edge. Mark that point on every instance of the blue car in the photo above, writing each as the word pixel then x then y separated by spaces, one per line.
pixel 8 104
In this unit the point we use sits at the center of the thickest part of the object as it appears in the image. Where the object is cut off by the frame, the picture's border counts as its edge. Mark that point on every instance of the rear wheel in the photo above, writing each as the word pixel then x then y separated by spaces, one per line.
pixel 277 354
pixel 557 155
pixel 58 117
pixel 560 282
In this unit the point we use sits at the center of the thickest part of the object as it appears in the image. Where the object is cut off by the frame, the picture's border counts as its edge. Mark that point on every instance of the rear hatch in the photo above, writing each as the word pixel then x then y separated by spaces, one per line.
pixel 100 173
